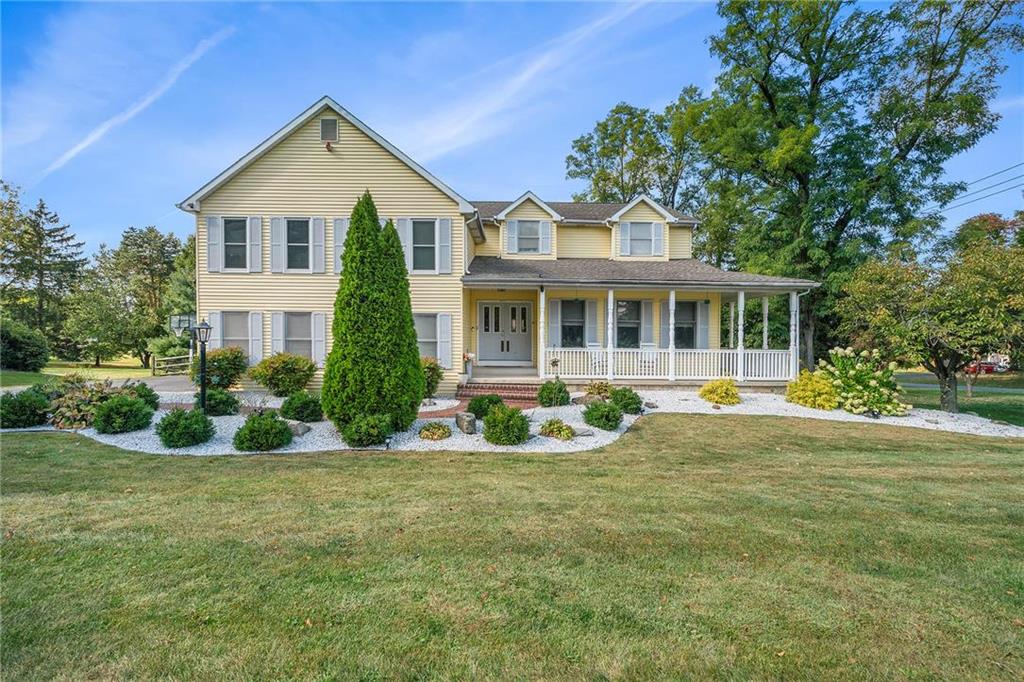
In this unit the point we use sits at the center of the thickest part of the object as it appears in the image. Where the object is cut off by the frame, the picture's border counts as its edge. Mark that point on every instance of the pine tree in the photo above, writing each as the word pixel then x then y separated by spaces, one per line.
pixel 181 289
pixel 373 367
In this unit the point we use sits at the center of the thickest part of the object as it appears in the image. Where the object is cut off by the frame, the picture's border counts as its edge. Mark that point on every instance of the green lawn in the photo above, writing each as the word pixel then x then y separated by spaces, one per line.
pixel 1007 407
pixel 118 370
pixel 694 547
pixel 1006 380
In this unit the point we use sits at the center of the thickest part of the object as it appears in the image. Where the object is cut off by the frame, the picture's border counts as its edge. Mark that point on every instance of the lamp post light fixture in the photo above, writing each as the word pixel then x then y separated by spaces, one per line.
pixel 202 334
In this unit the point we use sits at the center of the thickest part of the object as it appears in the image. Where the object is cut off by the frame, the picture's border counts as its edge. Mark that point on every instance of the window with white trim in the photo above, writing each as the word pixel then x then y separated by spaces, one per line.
pixel 236 243
pixel 235 330
pixel 641 239
pixel 328 130
pixel 424 245
pixel 528 236
pixel 686 324
pixel 426 334
pixel 627 324
pixel 298 334
pixel 298 244
pixel 574 314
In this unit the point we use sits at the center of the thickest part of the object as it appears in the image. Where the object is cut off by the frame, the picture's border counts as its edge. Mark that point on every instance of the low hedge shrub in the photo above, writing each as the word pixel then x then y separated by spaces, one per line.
pixel 553 393
pixel 224 367
pixel 143 392
pixel 283 373
pixel 602 389
pixel 23 409
pixel 181 428
pixel 481 405
pixel 505 425
pixel 603 416
pixel 720 392
pixel 556 428
pixel 367 429
pixel 21 347
pixel 219 402
pixel 435 431
pixel 812 389
pixel 303 406
pixel 627 400
pixel 121 414
pixel 433 373
pixel 262 431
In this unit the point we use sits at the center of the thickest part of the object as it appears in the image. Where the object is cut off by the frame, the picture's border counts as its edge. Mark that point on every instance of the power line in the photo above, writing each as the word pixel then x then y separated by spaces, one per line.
pixel 937 205
pixel 1007 189
pixel 995 184
pixel 974 182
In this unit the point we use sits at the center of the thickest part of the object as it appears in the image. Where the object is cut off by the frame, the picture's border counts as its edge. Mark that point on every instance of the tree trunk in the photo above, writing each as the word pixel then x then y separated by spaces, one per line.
pixel 947 392
pixel 97 363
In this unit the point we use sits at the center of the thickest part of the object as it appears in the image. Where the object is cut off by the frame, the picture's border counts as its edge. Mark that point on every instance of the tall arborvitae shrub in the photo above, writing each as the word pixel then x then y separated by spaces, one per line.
pixel 374 365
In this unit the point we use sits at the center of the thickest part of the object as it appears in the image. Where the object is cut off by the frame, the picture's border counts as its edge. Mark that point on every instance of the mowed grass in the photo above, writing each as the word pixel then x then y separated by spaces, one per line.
pixel 1007 407
pixel 1004 380
pixel 694 547
pixel 116 370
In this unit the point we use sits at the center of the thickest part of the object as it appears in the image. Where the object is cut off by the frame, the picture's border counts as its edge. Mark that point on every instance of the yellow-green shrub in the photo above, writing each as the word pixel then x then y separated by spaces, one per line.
pixel 720 392
pixel 812 390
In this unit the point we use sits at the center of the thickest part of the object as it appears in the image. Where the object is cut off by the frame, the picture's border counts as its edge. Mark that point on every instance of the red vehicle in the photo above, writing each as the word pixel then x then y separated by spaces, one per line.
pixel 981 368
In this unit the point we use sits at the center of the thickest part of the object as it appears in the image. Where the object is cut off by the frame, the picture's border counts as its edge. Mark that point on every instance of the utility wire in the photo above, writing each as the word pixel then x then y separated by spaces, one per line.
pixel 1007 189
pixel 974 182
pixel 935 206
pixel 984 189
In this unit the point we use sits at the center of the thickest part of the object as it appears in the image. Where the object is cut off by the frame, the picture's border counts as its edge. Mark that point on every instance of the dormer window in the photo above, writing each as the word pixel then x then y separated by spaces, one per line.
pixel 328 130
pixel 529 236
pixel 641 239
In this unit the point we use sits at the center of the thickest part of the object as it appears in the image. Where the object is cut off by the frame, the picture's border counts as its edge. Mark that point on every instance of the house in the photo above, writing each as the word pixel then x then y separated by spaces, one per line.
pixel 515 289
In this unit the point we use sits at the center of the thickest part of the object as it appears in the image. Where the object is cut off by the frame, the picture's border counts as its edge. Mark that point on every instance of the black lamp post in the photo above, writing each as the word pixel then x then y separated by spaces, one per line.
pixel 202 334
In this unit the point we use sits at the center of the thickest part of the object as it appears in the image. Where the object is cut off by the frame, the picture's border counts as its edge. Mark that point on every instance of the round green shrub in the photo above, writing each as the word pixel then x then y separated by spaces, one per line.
pixel 626 399
pixel 720 392
pixel 21 347
pixel 23 409
pixel 482 404
pixel 121 414
pixel 603 416
pixel 181 428
pixel 553 393
pixel 144 393
pixel 168 346
pixel 505 425
pixel 556 428
pixel 435 431
pixel 433 374
pixel 262 431
pixel 302 406
pixel 814 390
pixel 224 367
pixel 366 430
pixel 219 402
pixel 283 373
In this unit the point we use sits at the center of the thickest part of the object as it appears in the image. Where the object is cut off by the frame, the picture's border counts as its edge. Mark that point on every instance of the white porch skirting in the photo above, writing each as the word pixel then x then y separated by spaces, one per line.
pixel 643 363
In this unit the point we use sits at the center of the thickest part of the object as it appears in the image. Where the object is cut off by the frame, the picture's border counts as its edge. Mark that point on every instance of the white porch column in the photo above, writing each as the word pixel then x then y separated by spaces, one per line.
pixel 610 333
pixel 541 336
pixel 672 335
pixel 732 324
pixel 794 326
pixel 741 309
pixel 764 323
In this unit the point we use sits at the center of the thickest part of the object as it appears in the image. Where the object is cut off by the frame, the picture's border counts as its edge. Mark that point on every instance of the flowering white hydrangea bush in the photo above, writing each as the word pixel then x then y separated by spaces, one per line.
pixel 863 383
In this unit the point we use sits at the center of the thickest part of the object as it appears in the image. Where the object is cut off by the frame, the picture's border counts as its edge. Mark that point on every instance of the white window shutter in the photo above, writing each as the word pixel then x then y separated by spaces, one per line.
pixel 319 253
pixel 703 315
pixel 555 323
pixel 255 243
pixel 663 327
pixel 444 246
pixel 512 236
pixel 277 245
pixel 647 321
pixel 276 332
pixel 623 239
pixel 591 321
pixel 545 236
pixel 319 324
pixel 215 330
pixel 405 236
pixel 658 235
pixel 255 337
pixel 340 233
pixel 444 340
pixel 214 244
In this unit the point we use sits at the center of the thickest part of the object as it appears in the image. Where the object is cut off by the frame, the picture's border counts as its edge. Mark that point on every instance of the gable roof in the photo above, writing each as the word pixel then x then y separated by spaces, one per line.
pixel 528 196
pixel 576 211
pixel 661 210
pixel 190 204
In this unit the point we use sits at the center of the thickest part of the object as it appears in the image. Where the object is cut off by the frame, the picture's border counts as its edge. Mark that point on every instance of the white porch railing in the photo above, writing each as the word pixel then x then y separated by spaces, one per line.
pixel 644 363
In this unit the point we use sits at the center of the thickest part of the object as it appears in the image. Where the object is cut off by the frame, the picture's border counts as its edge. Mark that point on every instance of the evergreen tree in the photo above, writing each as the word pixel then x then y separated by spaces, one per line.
pixel 374 346
pixel 181 288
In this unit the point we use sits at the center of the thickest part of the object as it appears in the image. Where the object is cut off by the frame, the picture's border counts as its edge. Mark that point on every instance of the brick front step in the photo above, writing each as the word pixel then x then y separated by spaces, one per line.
pixel 516 392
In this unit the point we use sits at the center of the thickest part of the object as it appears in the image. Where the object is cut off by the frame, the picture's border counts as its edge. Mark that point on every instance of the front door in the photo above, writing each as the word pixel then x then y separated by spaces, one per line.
pixel 505 332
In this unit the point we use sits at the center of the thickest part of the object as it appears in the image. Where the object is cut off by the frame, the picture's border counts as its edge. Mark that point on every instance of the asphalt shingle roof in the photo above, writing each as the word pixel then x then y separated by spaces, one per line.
pixel 570 210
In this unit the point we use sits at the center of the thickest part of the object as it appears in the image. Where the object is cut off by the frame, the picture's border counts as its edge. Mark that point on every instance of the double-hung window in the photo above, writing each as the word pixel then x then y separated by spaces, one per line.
pixel 236 243
pixel 424 245
pixel 686 324
pixel 235 330
pixel 528 236
pixel 426 334
pixel 627 323
pixel 298 244
pixel 298 334
pixel 641 239
pixel 573 324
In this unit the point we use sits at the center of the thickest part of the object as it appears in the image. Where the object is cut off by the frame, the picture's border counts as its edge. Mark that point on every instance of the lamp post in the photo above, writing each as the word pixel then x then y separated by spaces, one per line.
pixel 202 334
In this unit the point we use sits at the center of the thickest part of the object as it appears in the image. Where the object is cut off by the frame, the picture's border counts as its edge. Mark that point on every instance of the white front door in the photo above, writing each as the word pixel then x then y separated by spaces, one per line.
pixel 505 332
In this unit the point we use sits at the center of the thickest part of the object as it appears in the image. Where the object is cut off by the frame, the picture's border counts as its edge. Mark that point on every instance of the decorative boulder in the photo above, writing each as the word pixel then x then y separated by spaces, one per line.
pixel 297 428
pixel 581 431
pixel 651 405
pixel 587 399
pixel 466 421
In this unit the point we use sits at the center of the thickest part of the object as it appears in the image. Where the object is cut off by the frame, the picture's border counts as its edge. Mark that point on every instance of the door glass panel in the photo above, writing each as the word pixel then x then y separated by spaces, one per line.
pixel 513 326
pixel 487 318
pixel 523 314
pixel 497 319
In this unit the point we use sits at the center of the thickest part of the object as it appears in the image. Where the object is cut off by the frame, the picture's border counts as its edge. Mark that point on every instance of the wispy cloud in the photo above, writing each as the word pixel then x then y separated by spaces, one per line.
pixel 172 76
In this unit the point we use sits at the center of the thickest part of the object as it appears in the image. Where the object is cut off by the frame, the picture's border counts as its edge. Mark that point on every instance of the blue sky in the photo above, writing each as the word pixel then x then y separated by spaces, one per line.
pixel 114 112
